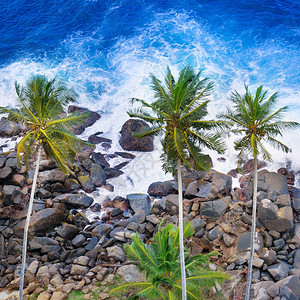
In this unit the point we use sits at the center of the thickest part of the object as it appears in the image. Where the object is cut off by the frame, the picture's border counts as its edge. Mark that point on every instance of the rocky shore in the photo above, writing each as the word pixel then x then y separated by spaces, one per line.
pixel 69 252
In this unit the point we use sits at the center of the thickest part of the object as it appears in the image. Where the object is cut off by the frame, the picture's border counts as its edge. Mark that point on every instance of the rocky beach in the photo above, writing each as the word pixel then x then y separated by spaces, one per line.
pixel 76 242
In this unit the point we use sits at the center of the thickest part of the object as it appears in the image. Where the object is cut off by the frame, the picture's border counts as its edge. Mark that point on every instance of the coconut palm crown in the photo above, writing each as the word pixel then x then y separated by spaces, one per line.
pixel 41 107
pixel 177 112
pixel 258 122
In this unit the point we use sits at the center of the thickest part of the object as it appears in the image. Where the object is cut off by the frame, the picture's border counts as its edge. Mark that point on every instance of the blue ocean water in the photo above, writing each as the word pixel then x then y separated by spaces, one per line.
pixel 106 50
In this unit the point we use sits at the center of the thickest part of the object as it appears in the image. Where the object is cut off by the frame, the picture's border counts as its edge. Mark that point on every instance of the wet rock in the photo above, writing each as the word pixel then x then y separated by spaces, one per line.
pixel 75 200
pixel 86 182
pixel 272 217
pixel 112 172
pixel 72 184
pixel 125 155
pixel 96 207
pixel 139 202
pixel 42 221
pixel 100 159
pixel 89 121
pixel 129 142
pixel 95 139
pixel 9 128
pixel 160 188
pixel 80 220
pixel 97 175
pixel 213 209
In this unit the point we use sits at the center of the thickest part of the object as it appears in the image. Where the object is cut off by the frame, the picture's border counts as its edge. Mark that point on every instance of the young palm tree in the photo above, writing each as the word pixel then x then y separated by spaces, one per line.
pixel 41 108
pixel 177 114
pixel 258 122
pixel 159 262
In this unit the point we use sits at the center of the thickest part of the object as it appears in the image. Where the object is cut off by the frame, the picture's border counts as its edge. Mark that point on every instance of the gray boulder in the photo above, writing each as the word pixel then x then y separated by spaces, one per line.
pixel 116 252
pixel 75 200
pixel 51 176
pixel 274 218
pixel 279 288
pixel 139 202
pixel 97 175
pixel 243 242
pixel 160 188
pixel 213 209
pixel 279 271
pixel 130 273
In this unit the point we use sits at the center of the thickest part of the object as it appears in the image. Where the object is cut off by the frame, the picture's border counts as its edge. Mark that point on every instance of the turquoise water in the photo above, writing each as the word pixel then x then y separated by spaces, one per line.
pixel 105 50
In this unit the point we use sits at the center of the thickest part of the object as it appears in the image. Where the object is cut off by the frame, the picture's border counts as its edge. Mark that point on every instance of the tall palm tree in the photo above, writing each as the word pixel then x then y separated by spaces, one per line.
pixel 258 122
pixel 177 114
pixel 159 262
pixel 41 106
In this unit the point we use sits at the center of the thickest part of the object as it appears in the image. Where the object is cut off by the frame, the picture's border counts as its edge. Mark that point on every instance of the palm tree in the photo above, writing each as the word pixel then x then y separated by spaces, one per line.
pixel 177 114
pixel 41 108
pixel 258 122
pixel 159 261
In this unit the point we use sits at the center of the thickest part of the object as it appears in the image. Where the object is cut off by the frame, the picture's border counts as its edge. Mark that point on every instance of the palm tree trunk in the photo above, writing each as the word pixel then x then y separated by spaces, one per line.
pixel 249 278
pixel 24 250
pixel 180 221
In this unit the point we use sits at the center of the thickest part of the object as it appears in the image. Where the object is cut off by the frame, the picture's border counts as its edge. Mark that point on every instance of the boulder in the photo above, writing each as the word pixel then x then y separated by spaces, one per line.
pixel 68 231
pixel 129 142
pixel 160 188
pixel 269 257
pixel 296 199
pixel 9 128
pixel 75 200
pixel 213 209
pixel 97 175
pixel 248 166
pixel 198 188
pixel 139 201
pixel 8 194
pixel 86 182
pixel 89 121
pixel 244 239
pixel 42 221
pixel 53 175
pixel 130 273
pixel 5 173
pixel 112 172
pixel 116 252
pixel 100 159
pixel 279 271
pixel 272 217
pixel 221 183
pixel 171 203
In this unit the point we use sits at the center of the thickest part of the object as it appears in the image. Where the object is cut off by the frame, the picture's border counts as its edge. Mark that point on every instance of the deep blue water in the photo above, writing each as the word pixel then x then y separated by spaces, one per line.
pixel 105 50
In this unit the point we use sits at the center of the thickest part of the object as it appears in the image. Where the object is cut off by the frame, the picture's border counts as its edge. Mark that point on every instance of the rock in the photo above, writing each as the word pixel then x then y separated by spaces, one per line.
pixel 112 172
pixel 198 224
pixel 78 240
pixel 68 231
pixel 102 229
pixel 160 188
pixel 213 209
pixel 117 253
pixel 130 143
pixel 215 233
pixel 296 263
pixel 291 282
pixel 257 262
pixel 228 240
pixel 171 203
pixel 248 166
pixel 31 271
pixel 78 270
pixel 279 271
pixel 8 194
pixel 92 244
pixel 55 175
pixel 121 203
pixel 272 217
pixel 9 128
pixel 125 155
pixel 44 296
pixel 97 175
pixel 283 200
pixel 269 257
pixel 82 260
pixel 57 280
pixel 95 139
pixel 5 173
pixel 100 160
pixel 42 221
pixel 296 199
pixel 139 201
pixel 199 189
pixel 58 295
pixel 221 183
pixel 139 217
pixel 75 200
pixel 89 121
pixel 243 242
pixel 86 182
pixel 130 273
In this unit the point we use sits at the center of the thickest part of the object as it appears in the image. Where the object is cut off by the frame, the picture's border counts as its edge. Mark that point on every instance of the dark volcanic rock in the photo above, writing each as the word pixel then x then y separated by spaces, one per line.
pixel 75 200
pixel 100 159
pixel 51 176
pixel 42 221
pixel 86 182
pixel 68 231
pixel 213 209
pixel 95 139
pixel 98 176
pixel 160 188
pixel 248 166
pixel 125 155
pixel 89 121
pixel 9 128
pixel 112 172
pixel 129 142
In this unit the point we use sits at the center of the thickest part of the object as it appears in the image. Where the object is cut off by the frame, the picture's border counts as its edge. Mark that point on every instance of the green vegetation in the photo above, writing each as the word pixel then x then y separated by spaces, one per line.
pixel 257 121
pixel 41 107
pixel 160 262
pixel 177 114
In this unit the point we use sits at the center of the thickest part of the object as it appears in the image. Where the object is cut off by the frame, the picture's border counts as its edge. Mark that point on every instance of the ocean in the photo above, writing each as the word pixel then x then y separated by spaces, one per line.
pixel 105 51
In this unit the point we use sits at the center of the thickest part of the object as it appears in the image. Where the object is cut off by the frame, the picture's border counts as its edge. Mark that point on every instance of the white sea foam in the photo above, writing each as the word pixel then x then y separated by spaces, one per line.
pixel 105 83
